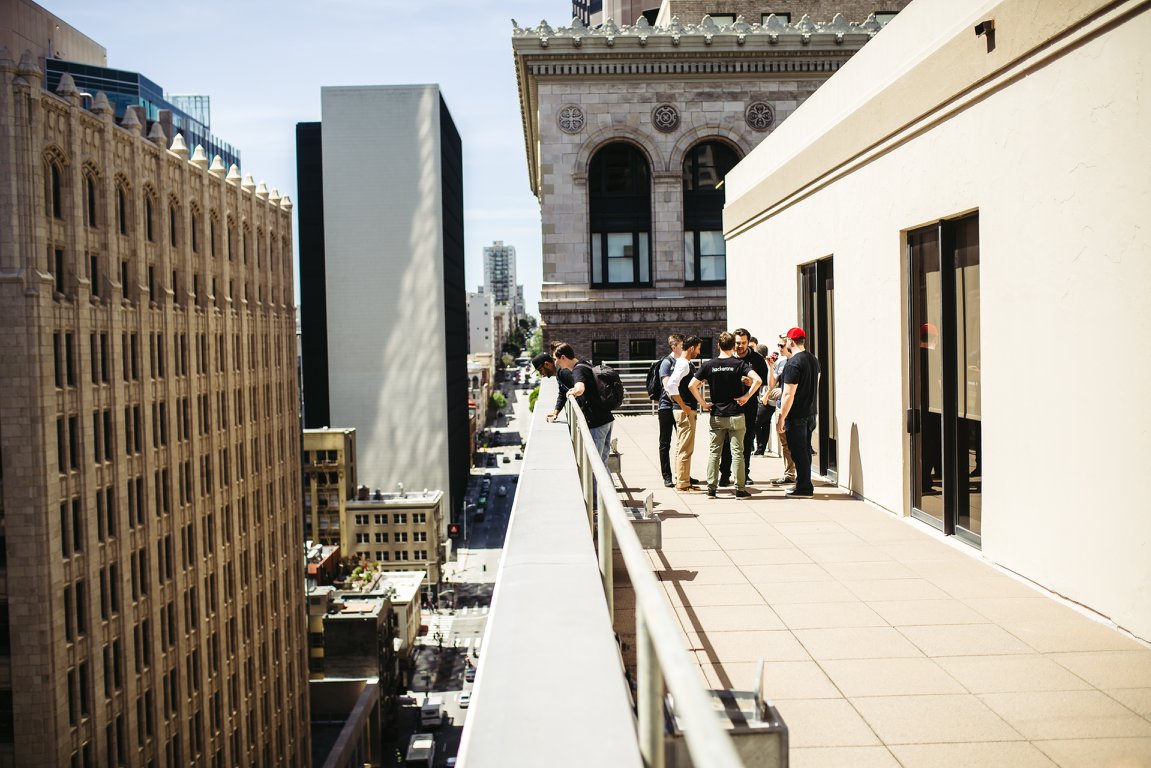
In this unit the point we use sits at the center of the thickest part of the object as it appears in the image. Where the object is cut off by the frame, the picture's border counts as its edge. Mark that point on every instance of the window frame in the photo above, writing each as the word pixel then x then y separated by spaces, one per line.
pixel 619 212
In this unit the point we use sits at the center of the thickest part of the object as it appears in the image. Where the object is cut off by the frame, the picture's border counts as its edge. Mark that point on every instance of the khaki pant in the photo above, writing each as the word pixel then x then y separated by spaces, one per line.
pixel 684 447
pixel 788 462
pixel 730 430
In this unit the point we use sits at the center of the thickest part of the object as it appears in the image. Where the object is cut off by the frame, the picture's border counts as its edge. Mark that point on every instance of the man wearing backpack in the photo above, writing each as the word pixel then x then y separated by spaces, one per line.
pixel 586 392
pixel 666 411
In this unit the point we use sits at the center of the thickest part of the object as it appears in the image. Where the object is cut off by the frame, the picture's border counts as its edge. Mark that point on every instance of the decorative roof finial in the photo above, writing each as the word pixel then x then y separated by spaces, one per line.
pixel 199 157
pixel 179 148
pixel 156 135
pixel 67 87
pixel 233 174
pixel 217 168
pixel 262 190
pixel 101 105
pixel 248 184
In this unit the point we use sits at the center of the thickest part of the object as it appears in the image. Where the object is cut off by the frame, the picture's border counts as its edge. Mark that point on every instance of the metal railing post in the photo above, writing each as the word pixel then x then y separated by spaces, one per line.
pixel 605 558
pixel 649 695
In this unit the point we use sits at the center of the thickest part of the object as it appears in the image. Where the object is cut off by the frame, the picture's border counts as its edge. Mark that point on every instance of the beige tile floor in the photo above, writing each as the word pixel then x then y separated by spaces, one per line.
pixel 885 644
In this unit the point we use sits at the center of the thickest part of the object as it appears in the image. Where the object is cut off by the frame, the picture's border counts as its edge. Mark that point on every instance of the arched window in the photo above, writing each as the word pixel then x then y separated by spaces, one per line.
pixel 54 193
pixel 619 192
pixel 173 220
pixel 705 254
pixel 91 198
pixel 122 208
pixel 149 216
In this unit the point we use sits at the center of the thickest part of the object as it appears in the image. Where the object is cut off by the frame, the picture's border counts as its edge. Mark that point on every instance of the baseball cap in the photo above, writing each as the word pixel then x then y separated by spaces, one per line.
pixel 540 359
pixel 796 334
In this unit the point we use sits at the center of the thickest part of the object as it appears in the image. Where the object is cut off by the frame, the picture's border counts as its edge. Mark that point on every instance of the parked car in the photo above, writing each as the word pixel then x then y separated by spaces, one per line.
pixel 470 674
pixel 503 491
pixel 507 460
pixel 465 699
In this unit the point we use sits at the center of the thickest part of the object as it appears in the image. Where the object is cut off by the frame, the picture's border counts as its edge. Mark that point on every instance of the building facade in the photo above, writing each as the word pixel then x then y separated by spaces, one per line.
pixel 401 531
pixel 329 483
pixel 481 311
pixel 629 131
pixel 500 272
pixel 151 600
pixel 381 248
pixel 924 194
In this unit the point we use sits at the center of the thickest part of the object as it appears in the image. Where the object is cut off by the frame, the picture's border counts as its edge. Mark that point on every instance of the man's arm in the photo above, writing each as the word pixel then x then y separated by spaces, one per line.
pixel 672 384
pixel 755 382
pixel 785 402
pixel 696 387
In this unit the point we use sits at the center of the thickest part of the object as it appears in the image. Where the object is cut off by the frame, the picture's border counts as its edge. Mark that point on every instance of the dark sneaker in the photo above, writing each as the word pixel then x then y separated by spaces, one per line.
pixel 742 494
pixel 711 493
pixel 794 494
pixel 783 481
pixel 748 481
pixel 724 481
pixel 668 482
pixel 693 481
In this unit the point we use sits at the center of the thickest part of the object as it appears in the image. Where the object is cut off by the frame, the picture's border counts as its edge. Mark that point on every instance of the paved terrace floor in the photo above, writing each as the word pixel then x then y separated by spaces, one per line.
pixel 886 645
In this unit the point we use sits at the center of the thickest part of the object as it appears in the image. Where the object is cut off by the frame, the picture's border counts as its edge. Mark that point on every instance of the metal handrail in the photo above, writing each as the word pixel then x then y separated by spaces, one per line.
pixel 659 658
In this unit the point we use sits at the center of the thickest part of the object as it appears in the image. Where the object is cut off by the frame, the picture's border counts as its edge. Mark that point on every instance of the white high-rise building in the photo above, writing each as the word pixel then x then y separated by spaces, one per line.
pixel 383 301
pixel 481 311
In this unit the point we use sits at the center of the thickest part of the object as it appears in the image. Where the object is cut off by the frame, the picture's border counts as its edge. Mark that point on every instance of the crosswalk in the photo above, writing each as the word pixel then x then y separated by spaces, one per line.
pixel 440 629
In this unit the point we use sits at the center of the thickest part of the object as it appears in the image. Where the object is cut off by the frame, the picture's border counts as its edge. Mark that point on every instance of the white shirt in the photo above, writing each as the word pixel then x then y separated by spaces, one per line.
pixel 682 366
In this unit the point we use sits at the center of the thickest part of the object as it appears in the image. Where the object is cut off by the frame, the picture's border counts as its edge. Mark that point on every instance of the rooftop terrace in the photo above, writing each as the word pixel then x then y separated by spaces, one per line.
pixel 885 644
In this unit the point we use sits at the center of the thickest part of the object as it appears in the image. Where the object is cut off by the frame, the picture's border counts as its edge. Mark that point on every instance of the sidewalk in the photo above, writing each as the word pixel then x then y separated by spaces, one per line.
pixel 887 646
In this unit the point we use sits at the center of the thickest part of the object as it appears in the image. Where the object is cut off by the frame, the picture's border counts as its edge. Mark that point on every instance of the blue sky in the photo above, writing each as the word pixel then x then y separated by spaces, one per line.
pixel 263 64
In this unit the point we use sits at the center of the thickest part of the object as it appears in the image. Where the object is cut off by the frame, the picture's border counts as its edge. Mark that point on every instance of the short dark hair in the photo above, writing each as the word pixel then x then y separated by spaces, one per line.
pixel 692 341
pixel 741 332
pixel 727 341
pixel 674 338
pixel 564 350
pixel 555 345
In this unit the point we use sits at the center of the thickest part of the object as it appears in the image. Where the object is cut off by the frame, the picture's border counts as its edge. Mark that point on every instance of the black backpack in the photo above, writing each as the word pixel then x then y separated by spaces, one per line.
pixel 654 380
pixel 608 385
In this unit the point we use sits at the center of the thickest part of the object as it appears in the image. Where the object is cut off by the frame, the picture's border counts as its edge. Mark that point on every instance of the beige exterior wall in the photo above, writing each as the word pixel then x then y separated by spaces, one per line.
pixel 150 496
pixel 26 26
pixel 329 455
pixel 1040 136
pixel 400 534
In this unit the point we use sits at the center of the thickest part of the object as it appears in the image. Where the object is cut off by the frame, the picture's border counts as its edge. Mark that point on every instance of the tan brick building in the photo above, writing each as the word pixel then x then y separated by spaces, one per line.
pixel 329 482
pixel 151 599
pixel 629 131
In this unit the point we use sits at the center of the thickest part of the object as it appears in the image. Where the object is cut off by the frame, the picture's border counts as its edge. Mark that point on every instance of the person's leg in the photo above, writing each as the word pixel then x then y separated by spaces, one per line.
pixel 717 439
pixel 725 463
pixel 685 436
pixel 799 442
pixel 738 444
pixel 762 421
pixel 748 440
pixel 788 462
pixel 601 436
pixel 666 424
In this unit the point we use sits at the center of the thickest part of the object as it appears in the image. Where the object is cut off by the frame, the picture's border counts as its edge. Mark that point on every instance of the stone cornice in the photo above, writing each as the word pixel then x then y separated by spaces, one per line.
pixel 674 51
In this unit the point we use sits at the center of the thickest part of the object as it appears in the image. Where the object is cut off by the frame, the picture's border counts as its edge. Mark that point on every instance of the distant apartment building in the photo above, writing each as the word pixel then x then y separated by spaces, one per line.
pixel 401 531
pixel 329 482
pixel 500 272
pixel 481 311
pixel 382 270
pixel 151 605
pixel 630 129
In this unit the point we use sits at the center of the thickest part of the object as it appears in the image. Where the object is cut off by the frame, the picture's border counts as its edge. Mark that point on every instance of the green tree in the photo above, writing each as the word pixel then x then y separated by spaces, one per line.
pixel 498 402
pixel 532 397
pixel 507 359
pixel 536 344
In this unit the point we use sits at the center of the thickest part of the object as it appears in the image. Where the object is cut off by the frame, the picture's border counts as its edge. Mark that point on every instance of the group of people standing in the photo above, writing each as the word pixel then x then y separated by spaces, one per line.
pixel 745 386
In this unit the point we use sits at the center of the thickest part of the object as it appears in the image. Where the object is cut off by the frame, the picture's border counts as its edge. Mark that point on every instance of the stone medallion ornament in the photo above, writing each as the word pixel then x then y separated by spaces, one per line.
pixel 665 117
pixel 759 116
pixel 571 118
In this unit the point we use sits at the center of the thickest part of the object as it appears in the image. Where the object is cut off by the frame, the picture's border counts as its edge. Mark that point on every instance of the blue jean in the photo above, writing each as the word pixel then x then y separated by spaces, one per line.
pixel 601 436
pixel 799 432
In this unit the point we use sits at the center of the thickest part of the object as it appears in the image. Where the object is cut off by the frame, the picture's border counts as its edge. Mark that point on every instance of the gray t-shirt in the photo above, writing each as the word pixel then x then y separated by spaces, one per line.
pixel 779 365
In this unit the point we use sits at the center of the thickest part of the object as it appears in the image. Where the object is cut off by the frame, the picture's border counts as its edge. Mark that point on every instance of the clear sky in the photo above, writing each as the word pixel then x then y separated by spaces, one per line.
pixel 263 64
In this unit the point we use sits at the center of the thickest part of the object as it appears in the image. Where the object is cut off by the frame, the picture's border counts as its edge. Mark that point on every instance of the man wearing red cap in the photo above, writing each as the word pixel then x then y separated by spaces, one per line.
pixel 797 409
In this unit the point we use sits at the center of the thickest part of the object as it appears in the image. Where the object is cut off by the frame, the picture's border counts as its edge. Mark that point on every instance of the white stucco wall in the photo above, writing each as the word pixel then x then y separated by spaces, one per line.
pixel 385 279
pixel 1056 165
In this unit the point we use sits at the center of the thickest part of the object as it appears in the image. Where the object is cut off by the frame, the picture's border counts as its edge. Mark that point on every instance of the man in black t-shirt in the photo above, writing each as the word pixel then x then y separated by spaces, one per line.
pixel 545 366
pixel 744 351
pixel 585 391
pixel 797 409
pixel 725 376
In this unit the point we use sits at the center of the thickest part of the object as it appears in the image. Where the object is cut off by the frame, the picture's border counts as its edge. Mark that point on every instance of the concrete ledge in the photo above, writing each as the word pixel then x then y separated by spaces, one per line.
pixel 550 665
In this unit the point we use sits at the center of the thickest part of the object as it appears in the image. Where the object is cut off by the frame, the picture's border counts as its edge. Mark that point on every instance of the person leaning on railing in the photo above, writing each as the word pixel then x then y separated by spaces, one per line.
pixel 585 392
pixel 546 366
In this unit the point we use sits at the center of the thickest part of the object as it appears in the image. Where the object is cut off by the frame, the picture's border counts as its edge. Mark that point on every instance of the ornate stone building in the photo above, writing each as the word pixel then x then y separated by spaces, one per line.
pixel 151 600
pixel 629 131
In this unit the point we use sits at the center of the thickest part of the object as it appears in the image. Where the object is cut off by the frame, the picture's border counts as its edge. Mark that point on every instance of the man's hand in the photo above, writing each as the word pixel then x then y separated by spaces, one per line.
pixel 552 416
pixel 774 394
pixel 741 401
pixel 781 425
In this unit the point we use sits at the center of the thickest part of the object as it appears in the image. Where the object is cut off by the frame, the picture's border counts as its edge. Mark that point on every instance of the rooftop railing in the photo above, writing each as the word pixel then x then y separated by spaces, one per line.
pixel 552 663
